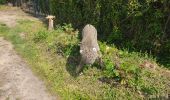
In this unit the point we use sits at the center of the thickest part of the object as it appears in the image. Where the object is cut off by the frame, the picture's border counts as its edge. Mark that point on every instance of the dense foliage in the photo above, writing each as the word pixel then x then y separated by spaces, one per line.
pixel 141 25
pixel 2 1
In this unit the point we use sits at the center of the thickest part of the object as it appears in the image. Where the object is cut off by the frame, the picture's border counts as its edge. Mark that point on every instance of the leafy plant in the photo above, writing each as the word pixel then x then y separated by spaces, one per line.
pixel 41 35
pixel 2 1
pixel 68 28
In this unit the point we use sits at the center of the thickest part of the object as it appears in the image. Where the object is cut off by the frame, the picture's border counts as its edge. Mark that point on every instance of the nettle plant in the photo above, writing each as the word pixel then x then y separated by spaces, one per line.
pixel 40 36
pixel 108 54
pixel 119 66
pixel 66 41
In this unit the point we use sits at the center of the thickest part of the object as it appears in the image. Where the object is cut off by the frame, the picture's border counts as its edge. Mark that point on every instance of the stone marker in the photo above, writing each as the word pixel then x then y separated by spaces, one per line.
pixel 50 22
pixel 89 48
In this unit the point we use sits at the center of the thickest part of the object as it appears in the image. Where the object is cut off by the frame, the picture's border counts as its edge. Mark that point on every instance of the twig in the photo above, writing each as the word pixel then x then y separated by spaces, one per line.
pixel 166 24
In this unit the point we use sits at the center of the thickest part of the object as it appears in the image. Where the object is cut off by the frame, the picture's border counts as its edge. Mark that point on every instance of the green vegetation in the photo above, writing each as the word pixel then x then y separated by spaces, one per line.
pixel 54 56
pixel 138 25
pixel 2 1
pixel 2 7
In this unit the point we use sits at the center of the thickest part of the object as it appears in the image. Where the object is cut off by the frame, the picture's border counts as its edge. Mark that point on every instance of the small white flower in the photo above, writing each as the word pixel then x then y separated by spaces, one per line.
pixel 81 74
pixel 81 51
pixel 107 48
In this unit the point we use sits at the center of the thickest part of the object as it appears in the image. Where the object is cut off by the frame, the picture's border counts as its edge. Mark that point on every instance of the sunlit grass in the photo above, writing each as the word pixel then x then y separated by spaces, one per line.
pixel 4 7
pixel 48 52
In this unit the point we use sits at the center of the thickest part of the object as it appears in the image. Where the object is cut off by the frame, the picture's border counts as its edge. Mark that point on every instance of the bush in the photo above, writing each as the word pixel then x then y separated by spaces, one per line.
pixel 2 1
pixel 41 35
pixel 137 25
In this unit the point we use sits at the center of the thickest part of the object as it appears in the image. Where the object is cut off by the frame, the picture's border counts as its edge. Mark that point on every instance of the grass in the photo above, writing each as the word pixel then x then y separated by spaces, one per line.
pixel 54 56
pixel 4 7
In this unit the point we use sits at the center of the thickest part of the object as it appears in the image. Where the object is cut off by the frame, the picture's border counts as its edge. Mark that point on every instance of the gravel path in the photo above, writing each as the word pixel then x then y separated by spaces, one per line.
pixel 17 82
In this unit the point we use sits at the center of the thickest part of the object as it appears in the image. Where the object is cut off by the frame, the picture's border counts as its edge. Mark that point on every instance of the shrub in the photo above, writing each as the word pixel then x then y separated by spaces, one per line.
pixel 41 35
pixel 137 25
pixel 2 1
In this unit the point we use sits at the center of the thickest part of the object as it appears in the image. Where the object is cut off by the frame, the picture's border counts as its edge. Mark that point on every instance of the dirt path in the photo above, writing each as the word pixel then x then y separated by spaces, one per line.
pixel 10 17
pixel 17 82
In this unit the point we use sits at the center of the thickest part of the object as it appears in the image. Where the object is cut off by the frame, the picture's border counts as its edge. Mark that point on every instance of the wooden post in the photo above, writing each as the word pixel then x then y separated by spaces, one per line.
pixel 50 22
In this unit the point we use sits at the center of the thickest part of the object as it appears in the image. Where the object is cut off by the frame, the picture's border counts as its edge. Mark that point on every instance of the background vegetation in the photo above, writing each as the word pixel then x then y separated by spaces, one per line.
pixel 2 1
pixel 141 25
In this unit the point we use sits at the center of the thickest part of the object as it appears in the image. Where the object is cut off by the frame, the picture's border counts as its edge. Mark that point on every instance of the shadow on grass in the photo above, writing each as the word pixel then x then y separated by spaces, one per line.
pixel 73 61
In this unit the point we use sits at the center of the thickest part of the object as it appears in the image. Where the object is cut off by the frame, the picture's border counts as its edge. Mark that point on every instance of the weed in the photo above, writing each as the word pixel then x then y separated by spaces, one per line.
pixel 40 36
